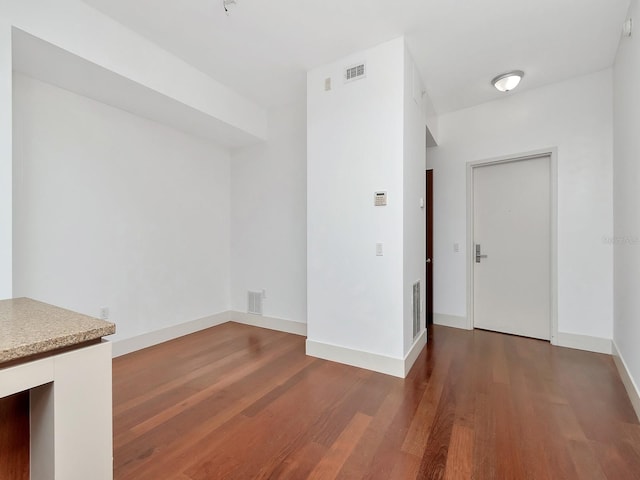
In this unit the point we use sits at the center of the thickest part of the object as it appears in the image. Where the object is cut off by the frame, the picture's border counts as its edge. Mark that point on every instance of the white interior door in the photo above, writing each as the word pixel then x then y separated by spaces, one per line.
pixel 512 227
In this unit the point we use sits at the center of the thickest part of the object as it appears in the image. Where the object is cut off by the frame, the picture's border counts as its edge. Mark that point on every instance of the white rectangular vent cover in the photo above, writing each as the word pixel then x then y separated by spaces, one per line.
pixel 255 303
pixel 355 72
pixel 416 308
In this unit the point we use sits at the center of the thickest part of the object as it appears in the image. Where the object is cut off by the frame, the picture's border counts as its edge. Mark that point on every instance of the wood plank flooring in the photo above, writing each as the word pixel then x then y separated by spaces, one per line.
pixel 239 402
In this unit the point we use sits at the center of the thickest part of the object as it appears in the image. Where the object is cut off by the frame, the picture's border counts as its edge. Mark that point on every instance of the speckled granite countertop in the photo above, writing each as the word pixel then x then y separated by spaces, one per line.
pixel 29 327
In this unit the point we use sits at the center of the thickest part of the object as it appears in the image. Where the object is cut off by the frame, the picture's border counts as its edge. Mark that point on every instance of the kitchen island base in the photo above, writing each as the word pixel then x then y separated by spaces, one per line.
pixel 70 412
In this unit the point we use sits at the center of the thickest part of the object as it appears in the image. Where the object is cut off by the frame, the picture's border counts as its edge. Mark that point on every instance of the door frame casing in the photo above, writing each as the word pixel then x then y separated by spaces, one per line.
pixel 552 153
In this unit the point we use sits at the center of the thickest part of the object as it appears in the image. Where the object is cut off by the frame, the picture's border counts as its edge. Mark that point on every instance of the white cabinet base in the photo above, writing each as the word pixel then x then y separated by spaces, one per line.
pixel 71 412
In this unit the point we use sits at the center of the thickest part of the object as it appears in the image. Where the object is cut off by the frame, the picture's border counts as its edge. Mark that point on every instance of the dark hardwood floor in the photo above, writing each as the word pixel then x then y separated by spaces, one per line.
pixel 14 437
pixel 238 402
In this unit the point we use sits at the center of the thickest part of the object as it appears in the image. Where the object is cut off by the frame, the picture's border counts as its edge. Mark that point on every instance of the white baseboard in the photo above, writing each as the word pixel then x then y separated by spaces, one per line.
pixel 415 350
pixel 128 345
pixel 450 321
pixel 627 379
pixel 584 342
pixel 272 323
pixel 570 340
pixel 356 358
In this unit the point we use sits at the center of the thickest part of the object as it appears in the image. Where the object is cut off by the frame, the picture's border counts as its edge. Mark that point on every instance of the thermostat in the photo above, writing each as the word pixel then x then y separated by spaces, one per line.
pixel 380 199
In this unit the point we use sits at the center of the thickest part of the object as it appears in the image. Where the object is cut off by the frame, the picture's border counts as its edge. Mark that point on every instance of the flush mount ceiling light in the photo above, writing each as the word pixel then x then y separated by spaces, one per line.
pixel 228 5
pixel 508 81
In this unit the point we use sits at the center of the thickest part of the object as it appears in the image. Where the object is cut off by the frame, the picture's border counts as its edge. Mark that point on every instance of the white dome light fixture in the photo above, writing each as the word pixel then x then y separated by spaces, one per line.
pixel 508 81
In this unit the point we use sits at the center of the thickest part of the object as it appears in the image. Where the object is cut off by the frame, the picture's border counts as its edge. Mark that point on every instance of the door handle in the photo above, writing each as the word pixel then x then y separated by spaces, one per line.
pixel 478 253
pixel 428 260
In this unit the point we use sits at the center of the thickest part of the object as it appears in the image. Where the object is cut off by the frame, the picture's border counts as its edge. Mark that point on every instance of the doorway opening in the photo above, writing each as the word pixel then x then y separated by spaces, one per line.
pixel 429 247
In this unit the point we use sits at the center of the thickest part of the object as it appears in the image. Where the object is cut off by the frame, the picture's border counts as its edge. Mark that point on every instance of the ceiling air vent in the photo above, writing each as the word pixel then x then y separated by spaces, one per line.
pixel 355 72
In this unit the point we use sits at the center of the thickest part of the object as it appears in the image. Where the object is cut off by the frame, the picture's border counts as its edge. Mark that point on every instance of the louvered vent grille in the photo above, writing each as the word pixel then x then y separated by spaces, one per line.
pixel 355 72
pixel 254 303
pixel 416 309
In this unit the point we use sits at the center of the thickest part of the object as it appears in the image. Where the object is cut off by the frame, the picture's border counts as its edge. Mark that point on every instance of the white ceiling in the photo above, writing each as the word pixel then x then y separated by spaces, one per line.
pixel 264 48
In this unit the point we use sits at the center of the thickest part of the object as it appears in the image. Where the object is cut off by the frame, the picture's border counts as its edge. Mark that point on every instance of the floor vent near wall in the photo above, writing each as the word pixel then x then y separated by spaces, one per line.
pixel 255 303
pixel 416 309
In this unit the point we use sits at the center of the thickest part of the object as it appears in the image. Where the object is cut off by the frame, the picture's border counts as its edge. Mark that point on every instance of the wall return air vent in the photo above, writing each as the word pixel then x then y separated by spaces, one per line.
pixel 355 72
pixel 254 303
pixel 416 308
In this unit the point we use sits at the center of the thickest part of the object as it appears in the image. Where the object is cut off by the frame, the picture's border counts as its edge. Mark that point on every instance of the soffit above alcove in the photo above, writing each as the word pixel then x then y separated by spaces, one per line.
pixel 49 63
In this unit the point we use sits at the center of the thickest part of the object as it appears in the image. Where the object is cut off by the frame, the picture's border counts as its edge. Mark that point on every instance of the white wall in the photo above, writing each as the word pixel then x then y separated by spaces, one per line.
pixel 83 31
pixel 576 117
pixel 414 188
pixel 354 148
pixel 114 210
pixel 268 218
pixel 6 213
pixel 626 200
